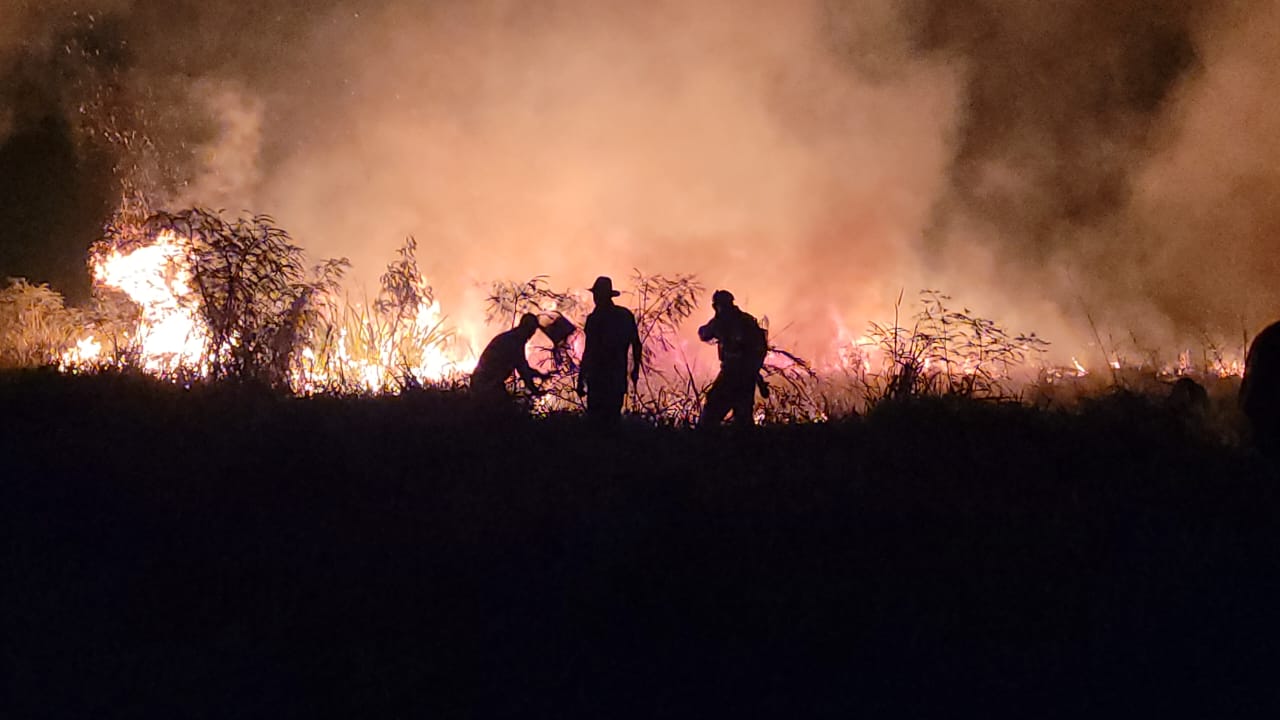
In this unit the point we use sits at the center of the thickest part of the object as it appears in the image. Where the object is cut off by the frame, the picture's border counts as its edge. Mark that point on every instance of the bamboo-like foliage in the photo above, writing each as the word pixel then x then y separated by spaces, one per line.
pixel 362 346
pixel 946 352
pixel 315 332
pixel 662 305
pixel 796 394
pixel 270 321
pixel 35 326
pixel 404 313
pixel 403 288
pixel 508 300
pixel 249 280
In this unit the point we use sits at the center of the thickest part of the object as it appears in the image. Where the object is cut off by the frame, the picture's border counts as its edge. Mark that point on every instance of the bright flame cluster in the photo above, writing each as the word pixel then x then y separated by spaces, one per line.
pixel 170 335
pixel 378 359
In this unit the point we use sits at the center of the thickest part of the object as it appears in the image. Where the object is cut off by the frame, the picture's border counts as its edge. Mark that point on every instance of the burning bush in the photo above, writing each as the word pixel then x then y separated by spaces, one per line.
pixel 944 352
pixel 245 281
pixel 400 340
pixel 195 295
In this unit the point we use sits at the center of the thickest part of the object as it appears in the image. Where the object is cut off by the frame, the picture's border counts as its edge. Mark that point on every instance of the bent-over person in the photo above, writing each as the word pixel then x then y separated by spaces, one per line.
pixel 502 356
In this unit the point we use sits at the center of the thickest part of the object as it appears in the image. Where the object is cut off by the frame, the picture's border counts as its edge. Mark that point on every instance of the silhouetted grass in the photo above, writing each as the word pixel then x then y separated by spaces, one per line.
pixel 221 551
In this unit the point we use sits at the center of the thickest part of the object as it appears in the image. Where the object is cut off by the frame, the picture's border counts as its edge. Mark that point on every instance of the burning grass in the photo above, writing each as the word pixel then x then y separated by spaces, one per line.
pixel 195 296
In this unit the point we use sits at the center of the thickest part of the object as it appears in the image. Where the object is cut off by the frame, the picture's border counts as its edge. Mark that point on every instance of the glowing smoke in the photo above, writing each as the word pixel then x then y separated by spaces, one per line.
pixel 1034 160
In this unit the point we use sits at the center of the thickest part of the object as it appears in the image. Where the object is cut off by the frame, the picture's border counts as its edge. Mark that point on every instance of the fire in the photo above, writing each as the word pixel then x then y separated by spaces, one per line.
pixel 436 363
pixel 852 354
pixel 372 359
pixel 158 278
pixel 87 351
pixel 170 334
pixel 1080 369
pixel 404 339
pixel 1228 368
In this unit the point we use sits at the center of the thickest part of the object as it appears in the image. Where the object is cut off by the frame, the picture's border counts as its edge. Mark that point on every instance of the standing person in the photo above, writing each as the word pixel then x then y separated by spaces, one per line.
pixel 502 356
pixel 611 331
pixel 742 349
pixel 1260 390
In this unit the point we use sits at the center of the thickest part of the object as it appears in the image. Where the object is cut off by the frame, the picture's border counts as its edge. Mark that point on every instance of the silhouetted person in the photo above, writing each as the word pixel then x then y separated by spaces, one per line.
pixel 1260 389
pixel 742 347
pixel 1188 398
pixel 502 356
pixel 610 332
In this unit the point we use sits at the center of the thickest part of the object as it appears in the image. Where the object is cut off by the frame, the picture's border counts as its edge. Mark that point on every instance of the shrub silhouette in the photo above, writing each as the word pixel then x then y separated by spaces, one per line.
pixel 946 352
pixel 249 279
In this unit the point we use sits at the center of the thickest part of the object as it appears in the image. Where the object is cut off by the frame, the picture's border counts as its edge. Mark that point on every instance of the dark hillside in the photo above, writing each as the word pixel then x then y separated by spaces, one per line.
pixel 220 553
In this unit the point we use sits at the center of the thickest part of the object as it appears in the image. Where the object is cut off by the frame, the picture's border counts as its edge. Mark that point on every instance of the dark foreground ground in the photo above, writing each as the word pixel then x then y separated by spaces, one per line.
pixel 222 554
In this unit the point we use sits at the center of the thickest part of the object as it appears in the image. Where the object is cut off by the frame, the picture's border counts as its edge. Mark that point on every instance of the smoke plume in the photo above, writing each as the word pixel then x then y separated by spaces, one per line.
pixel 1045 163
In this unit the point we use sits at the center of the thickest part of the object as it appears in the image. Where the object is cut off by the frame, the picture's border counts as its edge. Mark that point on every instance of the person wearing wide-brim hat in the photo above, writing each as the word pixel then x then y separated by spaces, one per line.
pixel 603 286
pixel 610 332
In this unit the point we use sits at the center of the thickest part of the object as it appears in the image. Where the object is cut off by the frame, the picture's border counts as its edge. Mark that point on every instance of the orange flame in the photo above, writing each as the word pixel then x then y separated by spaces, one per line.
pixel 171 334
pixel 158 278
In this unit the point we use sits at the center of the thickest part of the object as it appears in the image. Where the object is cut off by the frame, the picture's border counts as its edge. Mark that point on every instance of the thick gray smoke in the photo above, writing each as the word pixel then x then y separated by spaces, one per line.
pixel 1100 157
pixel 1039 161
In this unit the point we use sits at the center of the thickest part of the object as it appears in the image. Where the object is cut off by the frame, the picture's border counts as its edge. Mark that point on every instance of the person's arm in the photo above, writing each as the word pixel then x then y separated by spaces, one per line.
pixel 527 373
pixel 586 357
pixel 707 332
pixel 637 351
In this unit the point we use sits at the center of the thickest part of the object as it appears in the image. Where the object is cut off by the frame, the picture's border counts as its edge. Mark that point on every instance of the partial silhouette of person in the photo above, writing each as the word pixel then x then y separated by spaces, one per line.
pixel 502 356
pixel 610 332
pixel 742 346
pixel 1260 389
pixel 1188 398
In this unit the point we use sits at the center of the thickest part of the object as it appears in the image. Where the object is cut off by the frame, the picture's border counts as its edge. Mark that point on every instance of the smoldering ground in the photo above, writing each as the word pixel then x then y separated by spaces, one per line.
pixel 1038 161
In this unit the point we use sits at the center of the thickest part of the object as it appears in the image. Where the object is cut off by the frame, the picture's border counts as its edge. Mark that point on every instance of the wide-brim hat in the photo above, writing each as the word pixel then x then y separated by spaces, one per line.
pixel 604 285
